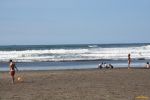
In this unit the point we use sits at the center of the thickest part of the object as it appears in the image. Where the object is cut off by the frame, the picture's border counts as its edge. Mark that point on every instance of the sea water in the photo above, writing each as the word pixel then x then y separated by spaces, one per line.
pixel 75 56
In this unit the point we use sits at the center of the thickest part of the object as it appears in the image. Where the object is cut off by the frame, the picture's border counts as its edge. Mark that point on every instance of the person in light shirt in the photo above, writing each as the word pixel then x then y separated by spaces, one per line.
pixel 147 65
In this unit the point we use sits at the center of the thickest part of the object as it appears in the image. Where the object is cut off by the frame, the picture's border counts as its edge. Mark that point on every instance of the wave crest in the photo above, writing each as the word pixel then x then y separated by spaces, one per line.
pixel 94 52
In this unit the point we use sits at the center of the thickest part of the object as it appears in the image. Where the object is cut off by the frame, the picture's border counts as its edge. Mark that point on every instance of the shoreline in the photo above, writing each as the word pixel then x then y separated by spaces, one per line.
pixel 80 69
pixel 68 65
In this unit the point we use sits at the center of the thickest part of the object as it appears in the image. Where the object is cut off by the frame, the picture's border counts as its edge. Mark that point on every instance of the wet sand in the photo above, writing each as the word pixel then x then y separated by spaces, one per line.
pixel 87 84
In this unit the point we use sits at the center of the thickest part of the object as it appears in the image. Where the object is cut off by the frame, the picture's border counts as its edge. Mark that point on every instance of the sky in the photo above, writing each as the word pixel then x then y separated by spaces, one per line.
pixel 36 22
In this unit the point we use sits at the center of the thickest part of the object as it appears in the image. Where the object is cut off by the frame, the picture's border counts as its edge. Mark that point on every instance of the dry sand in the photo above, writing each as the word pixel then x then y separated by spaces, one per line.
pixel 89 84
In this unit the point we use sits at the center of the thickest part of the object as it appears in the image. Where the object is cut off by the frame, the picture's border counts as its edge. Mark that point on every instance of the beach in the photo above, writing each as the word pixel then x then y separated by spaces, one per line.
pixel 77 84
pixel 74 50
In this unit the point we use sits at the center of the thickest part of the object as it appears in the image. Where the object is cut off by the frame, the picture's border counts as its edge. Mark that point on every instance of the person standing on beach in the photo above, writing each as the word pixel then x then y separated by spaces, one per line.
pixel 129 60
pixel 147 65
pixel 12 67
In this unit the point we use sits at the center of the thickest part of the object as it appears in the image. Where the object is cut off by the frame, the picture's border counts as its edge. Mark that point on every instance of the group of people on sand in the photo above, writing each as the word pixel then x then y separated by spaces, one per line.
pixel 105 65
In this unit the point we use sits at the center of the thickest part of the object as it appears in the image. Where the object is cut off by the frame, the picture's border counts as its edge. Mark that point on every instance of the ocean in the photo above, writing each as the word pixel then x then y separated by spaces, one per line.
pixel 75 56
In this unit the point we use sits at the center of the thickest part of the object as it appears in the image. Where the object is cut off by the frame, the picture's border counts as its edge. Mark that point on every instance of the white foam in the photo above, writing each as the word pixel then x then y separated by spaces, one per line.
pixel 92 46
pixel 76 54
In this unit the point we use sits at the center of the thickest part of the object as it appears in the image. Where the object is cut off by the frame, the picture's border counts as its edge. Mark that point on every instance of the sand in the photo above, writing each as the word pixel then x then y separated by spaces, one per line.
pixel 87 84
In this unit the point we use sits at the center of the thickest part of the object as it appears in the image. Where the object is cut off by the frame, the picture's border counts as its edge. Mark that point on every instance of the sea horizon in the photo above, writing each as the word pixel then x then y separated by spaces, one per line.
pixel 113 43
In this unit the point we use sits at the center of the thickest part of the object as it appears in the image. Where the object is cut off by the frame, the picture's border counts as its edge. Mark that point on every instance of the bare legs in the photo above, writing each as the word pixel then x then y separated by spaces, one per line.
pixel 12 73
pixel 13 79
pixel 128 65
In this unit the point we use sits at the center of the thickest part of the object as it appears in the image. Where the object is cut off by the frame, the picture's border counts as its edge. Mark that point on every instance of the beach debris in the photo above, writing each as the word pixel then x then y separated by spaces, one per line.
pixel 20 79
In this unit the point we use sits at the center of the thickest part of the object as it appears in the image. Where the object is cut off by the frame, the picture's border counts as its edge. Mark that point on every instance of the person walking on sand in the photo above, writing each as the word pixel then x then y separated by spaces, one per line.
pixel 129 60
pixel 12 67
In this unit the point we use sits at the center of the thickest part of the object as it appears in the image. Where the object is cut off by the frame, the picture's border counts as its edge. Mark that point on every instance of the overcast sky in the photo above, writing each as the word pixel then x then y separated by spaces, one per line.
pixel 74 21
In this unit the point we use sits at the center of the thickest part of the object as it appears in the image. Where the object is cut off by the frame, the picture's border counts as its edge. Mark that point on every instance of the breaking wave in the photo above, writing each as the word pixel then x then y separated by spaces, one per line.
pixel 91 52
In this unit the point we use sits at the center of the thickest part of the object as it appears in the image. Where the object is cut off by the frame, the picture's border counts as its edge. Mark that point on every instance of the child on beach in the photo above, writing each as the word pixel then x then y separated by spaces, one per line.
pixel 147 65
pixel 12 67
